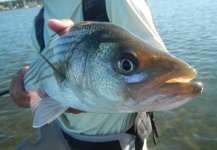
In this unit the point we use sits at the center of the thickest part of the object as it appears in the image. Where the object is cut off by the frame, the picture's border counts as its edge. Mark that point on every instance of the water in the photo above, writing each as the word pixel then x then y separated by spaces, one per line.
pixel 188 29
pixel 15 27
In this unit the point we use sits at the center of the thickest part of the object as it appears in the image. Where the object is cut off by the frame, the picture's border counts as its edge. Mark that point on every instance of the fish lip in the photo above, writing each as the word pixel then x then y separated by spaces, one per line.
pixel 182 76
pixel 194 88
pixel 176 94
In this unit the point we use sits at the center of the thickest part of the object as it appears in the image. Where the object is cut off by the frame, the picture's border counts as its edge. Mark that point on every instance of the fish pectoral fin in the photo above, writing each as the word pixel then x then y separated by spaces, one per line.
pixel 47 111
pixel 34 101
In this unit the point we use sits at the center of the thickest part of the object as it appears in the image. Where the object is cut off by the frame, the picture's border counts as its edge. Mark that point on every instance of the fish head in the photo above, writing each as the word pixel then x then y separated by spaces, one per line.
pixel 154 80
pixel 116 71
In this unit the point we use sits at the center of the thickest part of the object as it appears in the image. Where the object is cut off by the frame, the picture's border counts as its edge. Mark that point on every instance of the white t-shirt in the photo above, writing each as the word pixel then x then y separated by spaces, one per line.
pixel 133 15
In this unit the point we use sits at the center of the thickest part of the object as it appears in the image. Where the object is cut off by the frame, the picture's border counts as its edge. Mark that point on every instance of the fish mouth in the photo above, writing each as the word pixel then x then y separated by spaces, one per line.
pixel 181 85
pixel 177 83
pixel 168 91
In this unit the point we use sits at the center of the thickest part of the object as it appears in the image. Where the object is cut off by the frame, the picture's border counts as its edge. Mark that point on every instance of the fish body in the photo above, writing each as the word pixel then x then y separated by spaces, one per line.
pixel 103 68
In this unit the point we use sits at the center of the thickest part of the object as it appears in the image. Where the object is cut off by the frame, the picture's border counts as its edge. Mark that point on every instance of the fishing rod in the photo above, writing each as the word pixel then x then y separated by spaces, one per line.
pixel 4 92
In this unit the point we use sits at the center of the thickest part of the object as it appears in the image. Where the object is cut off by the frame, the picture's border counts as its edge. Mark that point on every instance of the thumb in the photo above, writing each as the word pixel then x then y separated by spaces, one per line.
pixel 58 25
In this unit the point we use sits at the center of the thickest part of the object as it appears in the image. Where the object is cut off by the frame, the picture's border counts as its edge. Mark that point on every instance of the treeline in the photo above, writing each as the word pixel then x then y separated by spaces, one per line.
pixel 14 4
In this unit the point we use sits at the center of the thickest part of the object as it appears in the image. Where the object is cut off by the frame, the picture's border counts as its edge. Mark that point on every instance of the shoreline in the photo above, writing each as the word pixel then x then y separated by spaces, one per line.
pixel 26 7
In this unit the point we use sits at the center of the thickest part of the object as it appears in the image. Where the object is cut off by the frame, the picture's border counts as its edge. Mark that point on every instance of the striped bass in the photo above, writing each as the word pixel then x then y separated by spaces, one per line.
pixel 102 68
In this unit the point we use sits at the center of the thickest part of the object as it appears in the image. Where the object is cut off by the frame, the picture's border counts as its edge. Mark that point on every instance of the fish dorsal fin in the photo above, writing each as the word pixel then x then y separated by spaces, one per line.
pixel 57 72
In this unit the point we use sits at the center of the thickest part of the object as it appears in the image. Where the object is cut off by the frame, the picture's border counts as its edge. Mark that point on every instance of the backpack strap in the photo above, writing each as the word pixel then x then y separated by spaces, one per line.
pixel 144 124
pixel 39 28
pixel 94 10
pixel 155 127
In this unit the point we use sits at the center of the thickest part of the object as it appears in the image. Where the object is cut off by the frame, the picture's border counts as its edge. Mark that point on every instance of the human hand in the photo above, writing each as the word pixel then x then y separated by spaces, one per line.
pixel 19 95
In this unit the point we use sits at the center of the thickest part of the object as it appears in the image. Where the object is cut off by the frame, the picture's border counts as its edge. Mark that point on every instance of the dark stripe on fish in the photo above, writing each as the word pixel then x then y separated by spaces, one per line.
pixel 38 73
pixel 43 78
pixel 38 64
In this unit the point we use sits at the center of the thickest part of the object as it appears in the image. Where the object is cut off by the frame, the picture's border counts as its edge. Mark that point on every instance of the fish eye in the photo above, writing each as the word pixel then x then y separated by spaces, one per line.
pixel 126 65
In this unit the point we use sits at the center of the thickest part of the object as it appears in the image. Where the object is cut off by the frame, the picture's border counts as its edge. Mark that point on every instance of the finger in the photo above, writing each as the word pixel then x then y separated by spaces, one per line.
pixel 41 93
pixel 17 81
pixel 58 25
pixel 22 100
pixel 21 77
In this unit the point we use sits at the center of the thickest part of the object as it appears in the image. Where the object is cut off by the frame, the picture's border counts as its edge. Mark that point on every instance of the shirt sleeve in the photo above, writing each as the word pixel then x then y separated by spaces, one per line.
pixel 135 16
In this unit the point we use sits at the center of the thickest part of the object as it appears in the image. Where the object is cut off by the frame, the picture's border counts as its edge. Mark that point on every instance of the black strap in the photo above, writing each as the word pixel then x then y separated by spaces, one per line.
pixel 142 129
pixel 155 128
pixel 39 28
pixel 76 144
pixel 144 124
pixel 94 10
pixel 138 142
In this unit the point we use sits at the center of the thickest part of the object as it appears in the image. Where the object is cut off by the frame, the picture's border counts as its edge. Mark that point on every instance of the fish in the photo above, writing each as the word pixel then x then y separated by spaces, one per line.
pixel 100 67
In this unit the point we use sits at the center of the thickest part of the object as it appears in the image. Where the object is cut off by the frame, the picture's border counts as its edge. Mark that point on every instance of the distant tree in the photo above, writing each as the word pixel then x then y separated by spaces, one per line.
pixel 40 2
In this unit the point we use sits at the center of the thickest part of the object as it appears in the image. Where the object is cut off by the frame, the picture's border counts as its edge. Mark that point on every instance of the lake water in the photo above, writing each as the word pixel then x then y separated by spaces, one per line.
pixel 189 31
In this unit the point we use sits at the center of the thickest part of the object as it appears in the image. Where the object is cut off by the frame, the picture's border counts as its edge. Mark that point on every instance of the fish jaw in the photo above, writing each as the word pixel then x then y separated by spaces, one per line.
pixel 166 97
